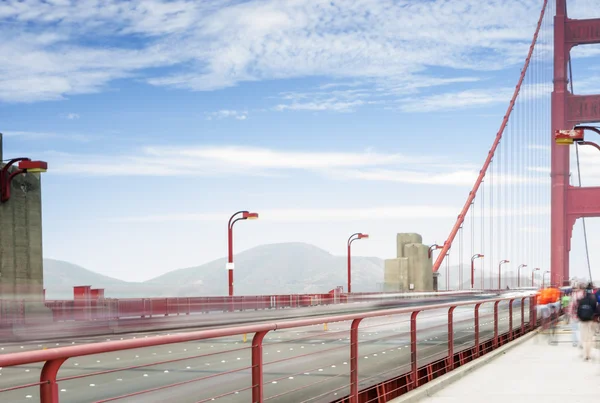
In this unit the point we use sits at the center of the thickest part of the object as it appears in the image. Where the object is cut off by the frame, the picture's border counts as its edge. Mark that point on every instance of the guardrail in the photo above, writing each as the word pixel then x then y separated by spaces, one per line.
pixel 372 356
pixel 14 311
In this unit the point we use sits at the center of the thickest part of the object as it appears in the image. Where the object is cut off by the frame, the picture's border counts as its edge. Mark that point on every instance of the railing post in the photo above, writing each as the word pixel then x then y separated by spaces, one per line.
pixel 354 360
pixel 476 324
pixel 48 386
pixel 257 367
pixel 510 319
pixel 413 350
pixel 496 341
pixel 522 316
pixel 533 313
pixel 450 363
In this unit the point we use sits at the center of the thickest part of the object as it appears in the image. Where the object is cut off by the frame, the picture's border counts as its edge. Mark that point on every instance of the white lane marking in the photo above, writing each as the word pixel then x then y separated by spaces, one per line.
pixel 145 375
pixel 92 384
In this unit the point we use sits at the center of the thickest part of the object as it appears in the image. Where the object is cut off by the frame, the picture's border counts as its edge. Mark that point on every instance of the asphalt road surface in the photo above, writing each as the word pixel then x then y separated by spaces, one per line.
pixel 305 364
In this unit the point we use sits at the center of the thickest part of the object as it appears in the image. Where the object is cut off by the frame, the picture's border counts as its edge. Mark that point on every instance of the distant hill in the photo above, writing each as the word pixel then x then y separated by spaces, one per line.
pixel 278 268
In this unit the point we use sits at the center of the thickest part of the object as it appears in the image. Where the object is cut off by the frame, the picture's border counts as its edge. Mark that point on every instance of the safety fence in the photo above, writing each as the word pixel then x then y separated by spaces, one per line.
pixel 94 308
pixel 362 357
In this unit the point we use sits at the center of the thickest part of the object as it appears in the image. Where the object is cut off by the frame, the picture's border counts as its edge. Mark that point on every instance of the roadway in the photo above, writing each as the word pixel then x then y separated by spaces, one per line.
pixel 39 339
pixel 299 363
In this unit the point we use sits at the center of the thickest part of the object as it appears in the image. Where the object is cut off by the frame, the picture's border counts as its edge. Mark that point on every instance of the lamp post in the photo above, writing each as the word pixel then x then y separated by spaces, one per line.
pixel 544 278
pixel 500 272
pixel 352 238
pixel 25 166
pixel 532 273
pixel 519 275
pixel 476 256
pixel 433 247
pixel 243 215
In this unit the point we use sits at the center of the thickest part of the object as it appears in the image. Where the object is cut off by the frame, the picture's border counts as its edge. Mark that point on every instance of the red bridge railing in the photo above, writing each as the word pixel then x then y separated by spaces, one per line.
pixel 372 356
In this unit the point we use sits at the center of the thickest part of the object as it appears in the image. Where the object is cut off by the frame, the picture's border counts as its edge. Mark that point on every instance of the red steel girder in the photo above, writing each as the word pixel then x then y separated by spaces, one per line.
pixel 582 32
pixel 583 201
pixel 583 109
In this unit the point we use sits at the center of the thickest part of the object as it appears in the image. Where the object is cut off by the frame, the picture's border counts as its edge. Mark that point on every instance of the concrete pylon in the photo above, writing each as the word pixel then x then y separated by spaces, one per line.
pixel 405 239
pixel 21 261
pixel 411 270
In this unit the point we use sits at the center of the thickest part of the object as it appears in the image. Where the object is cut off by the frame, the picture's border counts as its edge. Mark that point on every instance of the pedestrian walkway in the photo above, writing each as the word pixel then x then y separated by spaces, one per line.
pixel 535 371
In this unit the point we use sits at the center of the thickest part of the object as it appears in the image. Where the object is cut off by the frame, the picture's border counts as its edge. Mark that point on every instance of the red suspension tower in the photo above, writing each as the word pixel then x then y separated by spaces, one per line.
pixel 568 110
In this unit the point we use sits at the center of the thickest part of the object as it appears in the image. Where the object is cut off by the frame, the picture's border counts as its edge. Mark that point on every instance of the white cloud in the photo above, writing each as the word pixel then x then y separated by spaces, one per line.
pixel 72 116
pixel 220 43
pixel 333 214
pixel 226 113
pixel 473 98
pixel 456 100
pixel 253 161
pixel 327 105
pixel 30 135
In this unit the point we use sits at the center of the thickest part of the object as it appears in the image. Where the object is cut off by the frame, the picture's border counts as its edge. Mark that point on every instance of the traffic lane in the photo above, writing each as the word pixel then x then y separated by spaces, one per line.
pixel 99 364
pixel 229 319
pixel 178 351
pixel 108 379
pixel 144 356
pixel 324 376
pixel 119 359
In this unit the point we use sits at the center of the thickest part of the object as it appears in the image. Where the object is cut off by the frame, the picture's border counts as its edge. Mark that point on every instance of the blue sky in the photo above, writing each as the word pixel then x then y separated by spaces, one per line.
pixel 161 118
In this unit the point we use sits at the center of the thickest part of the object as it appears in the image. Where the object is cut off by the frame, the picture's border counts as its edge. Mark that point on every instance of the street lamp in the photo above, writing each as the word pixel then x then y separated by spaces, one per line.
pixel 544 278
pixel 519 275
pixel 352 238
pixel 500 272
pixel 25 166
pixel 576 135
pixel 476 256
pixel 532 272
pixel 245 215
pixel 433 247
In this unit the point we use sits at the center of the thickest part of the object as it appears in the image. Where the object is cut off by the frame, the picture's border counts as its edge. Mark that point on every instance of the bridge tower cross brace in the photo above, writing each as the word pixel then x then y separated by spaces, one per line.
pixel 568 203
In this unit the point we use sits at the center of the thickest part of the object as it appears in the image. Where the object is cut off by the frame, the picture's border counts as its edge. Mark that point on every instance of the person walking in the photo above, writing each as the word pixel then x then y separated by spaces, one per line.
pixel 577 294
pixel 586 311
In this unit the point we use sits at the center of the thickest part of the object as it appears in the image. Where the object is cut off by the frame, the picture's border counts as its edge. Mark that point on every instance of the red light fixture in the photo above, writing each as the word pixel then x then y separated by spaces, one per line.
pixel 25 166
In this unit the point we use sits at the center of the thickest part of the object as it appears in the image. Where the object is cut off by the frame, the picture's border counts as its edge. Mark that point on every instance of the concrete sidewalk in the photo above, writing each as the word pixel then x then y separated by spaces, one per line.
pixel 534 371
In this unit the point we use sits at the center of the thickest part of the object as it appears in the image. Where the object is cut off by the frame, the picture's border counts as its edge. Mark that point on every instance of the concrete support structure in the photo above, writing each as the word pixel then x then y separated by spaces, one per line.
pixel 411 270
pixel 21 263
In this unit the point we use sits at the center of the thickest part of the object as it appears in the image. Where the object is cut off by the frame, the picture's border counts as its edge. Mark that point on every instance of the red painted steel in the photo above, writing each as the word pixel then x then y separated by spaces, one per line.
pixel 354 360
pixel 476 329
pixel 441 363
pixel 451 338
pixel 568 110
pixel 490 156
pixel 413 350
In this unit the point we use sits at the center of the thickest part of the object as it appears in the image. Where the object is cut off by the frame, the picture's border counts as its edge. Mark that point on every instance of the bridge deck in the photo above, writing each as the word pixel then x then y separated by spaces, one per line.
pixel 533 371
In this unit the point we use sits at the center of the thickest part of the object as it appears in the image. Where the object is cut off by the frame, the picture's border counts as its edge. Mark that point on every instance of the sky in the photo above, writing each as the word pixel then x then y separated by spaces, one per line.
pixel 159 119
